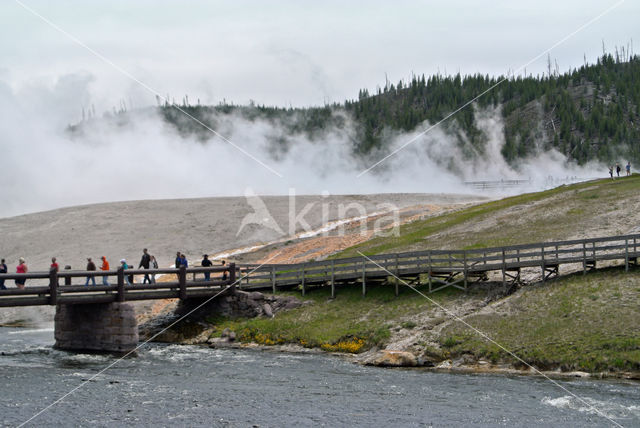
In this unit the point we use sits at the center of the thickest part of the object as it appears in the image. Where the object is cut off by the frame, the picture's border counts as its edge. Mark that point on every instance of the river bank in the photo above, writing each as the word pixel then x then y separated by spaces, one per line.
pixel 404 344
pixel 463 365
pixel 431 334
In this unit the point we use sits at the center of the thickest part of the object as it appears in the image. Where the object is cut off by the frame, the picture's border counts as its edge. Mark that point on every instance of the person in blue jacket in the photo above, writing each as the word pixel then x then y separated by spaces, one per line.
pixel 125 266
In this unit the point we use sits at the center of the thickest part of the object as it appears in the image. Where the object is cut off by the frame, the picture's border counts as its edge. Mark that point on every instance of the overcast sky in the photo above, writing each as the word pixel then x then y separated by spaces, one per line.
pixel 291 52
pixel 282 53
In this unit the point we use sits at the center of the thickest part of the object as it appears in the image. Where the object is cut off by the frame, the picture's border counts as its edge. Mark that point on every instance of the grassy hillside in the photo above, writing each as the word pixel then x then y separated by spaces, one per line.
pixel 594 208
pixel 588 323
pixel 577 322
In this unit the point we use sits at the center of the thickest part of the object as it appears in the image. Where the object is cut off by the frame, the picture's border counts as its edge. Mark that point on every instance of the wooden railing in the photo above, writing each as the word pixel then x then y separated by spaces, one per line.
pixel 60 288
pixel 497 184
pixel 438 268
pixel 444 268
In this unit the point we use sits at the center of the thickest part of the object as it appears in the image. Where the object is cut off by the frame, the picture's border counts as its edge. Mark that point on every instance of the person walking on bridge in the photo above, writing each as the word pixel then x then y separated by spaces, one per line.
pixel 125 266
pixel 91 266
pixel 183 261
pixel 54 266
pixel 104 268
pixel 22 268
pixel 206 263
pixel 144 263
pixel 154 265
pixel 3 269
pixel 224 274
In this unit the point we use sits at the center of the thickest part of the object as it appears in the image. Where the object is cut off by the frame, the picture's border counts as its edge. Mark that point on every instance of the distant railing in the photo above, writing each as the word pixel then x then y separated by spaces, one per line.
pixel 495 184
pixel 546 182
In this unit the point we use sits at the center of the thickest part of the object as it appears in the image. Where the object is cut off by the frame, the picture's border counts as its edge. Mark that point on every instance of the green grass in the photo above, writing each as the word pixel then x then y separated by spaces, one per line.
pixel 573 207
pixel 346 318
pixel 589 323
pixel 408 324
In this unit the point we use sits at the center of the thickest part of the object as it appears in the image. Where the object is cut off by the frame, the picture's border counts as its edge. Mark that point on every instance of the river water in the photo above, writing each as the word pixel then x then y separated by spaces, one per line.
pixel 172 385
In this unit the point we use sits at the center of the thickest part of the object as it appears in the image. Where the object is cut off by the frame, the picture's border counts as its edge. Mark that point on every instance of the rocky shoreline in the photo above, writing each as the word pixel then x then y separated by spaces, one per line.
pixel 407 360
pixel 199 330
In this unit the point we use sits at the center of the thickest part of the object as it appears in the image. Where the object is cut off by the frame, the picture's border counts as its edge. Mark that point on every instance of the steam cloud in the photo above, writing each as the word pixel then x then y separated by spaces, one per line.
pixel 43 167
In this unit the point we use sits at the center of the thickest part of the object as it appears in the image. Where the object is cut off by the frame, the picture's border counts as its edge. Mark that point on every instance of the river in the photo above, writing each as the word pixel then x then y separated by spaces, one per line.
pixel 172 385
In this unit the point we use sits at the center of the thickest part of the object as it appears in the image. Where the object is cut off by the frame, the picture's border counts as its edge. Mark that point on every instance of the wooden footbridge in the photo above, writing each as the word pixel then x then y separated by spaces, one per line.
pixel 445 268
pixel 436 268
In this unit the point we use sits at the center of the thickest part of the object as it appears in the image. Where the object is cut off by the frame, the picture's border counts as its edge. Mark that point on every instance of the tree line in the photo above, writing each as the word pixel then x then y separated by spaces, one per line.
pixel 587 113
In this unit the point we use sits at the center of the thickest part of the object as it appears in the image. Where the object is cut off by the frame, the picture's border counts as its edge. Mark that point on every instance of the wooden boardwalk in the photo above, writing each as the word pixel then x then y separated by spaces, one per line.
pixel 436 268
pixel 444 268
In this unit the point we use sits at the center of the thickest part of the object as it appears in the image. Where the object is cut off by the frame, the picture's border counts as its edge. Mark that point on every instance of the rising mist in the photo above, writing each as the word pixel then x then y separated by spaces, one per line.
pixel 43 166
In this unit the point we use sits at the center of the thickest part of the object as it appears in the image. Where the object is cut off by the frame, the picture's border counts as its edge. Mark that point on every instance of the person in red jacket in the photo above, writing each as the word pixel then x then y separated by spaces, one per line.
pixel 22 268
pixel 54 264
pixel 104 267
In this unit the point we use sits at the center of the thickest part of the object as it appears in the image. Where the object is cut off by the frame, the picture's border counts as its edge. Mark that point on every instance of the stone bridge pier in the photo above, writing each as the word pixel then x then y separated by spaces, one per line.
pixel 101 327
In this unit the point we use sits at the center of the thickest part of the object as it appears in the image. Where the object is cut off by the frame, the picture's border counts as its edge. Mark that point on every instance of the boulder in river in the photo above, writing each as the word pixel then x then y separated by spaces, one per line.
pixel 387 358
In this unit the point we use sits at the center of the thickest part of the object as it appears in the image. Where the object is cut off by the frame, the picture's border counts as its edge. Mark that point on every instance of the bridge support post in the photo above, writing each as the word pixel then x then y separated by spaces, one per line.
pixel 273 279
pixel 120 284
pixel 504 272
pixel 542 265
pixel 53 286
pixel 397 278
pixel 364 277
pixel 429 274
pixel 182 282
pixel 232 277
pixel 465 269
pixel 101 327
pixel 333 279
pixel 626 255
